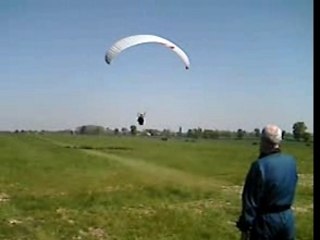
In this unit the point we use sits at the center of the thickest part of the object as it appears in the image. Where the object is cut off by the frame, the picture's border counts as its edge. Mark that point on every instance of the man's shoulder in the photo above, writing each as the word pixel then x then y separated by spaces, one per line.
pixel 276 157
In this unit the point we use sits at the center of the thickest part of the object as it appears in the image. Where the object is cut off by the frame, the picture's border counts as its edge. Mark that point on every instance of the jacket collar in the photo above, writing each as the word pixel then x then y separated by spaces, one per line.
pixel 262 155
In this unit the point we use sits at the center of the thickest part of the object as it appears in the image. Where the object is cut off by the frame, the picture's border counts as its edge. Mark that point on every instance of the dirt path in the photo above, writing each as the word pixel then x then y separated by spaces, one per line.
pixel 160 173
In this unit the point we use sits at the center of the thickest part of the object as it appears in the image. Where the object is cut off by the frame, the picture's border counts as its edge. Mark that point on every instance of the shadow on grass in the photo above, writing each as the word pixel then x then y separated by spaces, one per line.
pixel 100 148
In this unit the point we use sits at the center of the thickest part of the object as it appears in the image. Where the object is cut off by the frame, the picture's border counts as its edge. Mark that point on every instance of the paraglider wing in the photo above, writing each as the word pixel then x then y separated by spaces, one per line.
pixel 134 40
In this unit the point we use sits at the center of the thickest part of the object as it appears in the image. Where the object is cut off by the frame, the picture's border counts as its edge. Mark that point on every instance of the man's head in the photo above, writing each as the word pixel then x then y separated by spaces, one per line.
pixel 271 137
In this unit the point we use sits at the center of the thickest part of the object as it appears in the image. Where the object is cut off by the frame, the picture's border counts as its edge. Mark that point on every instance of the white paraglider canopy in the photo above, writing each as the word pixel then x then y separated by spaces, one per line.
pixel 134 40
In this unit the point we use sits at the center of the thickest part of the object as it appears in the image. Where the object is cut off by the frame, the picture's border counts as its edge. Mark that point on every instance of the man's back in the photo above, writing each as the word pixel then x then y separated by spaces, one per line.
pixel 279 173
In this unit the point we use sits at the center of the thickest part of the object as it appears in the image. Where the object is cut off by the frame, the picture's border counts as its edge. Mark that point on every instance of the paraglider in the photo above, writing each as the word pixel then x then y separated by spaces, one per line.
pixel 140 118
pixel 135 40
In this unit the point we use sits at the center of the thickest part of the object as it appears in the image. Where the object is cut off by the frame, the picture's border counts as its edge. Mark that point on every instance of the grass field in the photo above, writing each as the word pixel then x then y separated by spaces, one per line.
pixel 91 187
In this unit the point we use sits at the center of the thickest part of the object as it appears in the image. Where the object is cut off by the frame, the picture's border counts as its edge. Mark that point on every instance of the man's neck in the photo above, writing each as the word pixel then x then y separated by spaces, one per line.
pixel 266 153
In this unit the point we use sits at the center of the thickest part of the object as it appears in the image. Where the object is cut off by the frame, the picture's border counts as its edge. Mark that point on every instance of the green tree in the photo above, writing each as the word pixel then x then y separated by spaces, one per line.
pixel 212 134
pixel 198 132
pixel 91 130
pixel 225 134
pixel 133 130
pixel 240 133
pixel 124 131
pixel 190 133
pixel 257 132
pixel 299 129
pixel 283 134
pixel 194 133
pixel 207 133
pixel 179 133
pixel 307 137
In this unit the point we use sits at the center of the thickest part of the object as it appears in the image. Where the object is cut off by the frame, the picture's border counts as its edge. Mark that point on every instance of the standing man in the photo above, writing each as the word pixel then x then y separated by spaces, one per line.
pixel 269 192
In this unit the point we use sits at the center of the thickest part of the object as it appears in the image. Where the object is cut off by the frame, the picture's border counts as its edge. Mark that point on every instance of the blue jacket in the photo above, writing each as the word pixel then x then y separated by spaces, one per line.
pixel 269 188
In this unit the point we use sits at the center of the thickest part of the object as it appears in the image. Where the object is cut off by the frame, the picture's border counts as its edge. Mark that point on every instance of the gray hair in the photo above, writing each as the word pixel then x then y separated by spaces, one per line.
pixel 272 134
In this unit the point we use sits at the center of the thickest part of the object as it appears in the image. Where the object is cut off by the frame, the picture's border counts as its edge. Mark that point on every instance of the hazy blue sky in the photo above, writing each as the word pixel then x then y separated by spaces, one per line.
pixel 251 64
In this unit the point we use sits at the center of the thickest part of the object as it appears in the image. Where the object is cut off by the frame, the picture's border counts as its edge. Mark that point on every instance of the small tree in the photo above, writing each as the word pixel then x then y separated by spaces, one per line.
pixel 189 133
pixel 306 137
pixel 133 130
pixel 225 134
pixel 198 132
pixel 299 129
pixel 179 133
pixel 257 132
pixel 240 133
pixel 124 131
pixel 283 134
pixel 194 133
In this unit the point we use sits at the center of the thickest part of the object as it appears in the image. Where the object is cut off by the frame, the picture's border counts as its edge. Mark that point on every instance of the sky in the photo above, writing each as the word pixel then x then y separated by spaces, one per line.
pixel 251 64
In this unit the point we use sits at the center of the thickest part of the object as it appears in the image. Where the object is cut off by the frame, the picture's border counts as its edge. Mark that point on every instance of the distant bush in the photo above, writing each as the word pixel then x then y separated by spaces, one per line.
pixel 91 130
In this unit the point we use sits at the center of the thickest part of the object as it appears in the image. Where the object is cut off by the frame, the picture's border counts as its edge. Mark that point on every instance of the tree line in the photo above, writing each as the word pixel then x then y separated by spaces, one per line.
pixel 299 132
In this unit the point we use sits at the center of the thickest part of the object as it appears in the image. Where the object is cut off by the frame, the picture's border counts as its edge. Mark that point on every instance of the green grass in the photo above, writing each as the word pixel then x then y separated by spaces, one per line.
pixel 98 187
